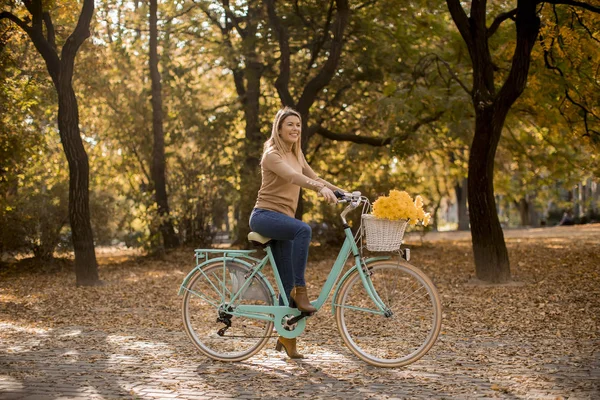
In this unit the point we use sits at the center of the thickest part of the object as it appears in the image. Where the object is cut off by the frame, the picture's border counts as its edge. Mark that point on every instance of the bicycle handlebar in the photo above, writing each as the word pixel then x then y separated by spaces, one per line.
pixel 354 197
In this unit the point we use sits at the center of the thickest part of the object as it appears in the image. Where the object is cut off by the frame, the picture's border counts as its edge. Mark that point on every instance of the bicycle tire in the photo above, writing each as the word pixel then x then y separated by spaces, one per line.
pixel 203 305
pixel 402 338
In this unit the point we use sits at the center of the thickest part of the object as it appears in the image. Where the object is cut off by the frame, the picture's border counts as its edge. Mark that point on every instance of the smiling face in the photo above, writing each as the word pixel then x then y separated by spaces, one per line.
pixel 290 130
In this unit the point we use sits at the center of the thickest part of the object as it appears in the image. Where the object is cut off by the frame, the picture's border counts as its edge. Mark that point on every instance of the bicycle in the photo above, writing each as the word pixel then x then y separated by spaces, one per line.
pixel 388 312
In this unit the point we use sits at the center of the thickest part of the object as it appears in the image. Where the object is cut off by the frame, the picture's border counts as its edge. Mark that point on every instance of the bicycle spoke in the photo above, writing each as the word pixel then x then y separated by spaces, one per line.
pixel 201 296
pixel 372 311
pixel 223 286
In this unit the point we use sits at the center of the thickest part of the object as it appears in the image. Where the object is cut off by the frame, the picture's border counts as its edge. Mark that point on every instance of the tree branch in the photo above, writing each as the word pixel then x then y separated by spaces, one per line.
pixel 306 22
pixel 426 121
pixel 583 108
pixel 318 43
pixel 375 141
pixel 37 37
pixel 585 113
pixel 50 36
pixel 238 80
pixel 214 20
pixel 234 20
pixel 453 74
pixel 574 3
pixel 283 80
pixel 550 66
pixel 76 39
pixel 182 13
pixel 528 27
pixel 19 22
pixel 349 137
pixel 589 32
pixel 461 21
pixel 314 86
pixel 499 20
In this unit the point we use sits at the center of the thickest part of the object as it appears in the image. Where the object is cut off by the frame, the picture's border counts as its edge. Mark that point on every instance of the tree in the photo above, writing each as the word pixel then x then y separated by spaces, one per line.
pixel 492 106
pixel 170 239
pixel 60 68
pixel 202 135
pixel 314 84
pixel 33 171
pixel 240 36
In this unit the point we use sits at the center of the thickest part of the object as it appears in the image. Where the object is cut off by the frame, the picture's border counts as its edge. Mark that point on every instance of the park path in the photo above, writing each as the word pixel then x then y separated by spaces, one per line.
pixel 75 363
pixel 538 340
pixel 554 232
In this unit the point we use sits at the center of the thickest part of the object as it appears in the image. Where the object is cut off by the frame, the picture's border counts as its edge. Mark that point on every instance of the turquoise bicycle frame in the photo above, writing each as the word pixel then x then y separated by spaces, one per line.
pixel 277 313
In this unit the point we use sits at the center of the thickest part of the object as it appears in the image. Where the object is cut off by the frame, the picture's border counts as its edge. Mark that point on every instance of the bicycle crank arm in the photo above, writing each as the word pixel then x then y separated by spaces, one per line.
pixel 303 314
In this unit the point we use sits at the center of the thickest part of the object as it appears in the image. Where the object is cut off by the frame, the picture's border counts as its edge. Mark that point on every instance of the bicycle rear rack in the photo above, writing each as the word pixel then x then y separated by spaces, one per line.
pixel 203 255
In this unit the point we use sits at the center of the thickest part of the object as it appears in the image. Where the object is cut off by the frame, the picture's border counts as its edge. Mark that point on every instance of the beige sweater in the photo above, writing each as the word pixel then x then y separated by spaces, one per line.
pixel 282 177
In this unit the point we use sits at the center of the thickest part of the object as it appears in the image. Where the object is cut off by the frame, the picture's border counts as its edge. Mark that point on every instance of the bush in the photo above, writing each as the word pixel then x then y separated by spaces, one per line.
pixel 34 222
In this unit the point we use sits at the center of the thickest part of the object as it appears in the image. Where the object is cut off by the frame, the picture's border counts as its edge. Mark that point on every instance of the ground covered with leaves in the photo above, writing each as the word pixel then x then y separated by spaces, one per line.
pixel 537 337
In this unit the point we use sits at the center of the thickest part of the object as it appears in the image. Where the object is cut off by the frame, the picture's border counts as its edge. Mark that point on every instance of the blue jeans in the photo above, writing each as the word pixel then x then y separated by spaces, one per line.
pixel 291 238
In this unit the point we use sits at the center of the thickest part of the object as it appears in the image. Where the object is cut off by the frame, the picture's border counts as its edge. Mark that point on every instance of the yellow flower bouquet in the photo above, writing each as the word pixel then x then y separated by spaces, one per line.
pixel 384 228
pixel 399 205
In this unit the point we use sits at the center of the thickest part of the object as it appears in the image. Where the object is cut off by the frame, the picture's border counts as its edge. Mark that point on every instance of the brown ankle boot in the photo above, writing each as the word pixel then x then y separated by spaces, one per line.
pixel 301 299
pixel 289 345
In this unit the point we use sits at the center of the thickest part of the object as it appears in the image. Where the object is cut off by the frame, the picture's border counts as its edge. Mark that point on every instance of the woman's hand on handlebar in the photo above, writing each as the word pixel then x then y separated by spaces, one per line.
pixel 328 195
pixel 345 197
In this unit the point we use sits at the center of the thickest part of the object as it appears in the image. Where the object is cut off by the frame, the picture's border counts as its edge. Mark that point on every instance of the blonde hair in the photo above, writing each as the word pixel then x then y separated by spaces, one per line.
pixel 275 142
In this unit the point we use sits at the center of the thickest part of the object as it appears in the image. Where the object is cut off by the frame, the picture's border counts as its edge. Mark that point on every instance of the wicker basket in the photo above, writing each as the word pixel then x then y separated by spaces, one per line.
pixel 383 234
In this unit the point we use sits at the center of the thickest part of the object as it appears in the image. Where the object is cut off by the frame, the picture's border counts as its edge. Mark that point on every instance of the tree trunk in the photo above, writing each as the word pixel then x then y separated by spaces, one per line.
pixel 523 206
pixel 489 249
pixel 300 206
pixel 250 176
pixel 491 107
pixel 435 215
pixel 86 266
pixel 461 204
pixel 595 196
pixel 534 215
pixel 167 231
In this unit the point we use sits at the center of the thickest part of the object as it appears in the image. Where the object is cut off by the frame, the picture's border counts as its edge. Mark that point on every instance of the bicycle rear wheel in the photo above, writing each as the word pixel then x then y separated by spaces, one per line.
pixel 206 310
pixel 404 336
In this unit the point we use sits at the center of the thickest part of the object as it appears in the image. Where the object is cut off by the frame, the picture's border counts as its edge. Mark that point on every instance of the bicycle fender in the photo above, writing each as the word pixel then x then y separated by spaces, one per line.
pixel 183 285
pixel 348 273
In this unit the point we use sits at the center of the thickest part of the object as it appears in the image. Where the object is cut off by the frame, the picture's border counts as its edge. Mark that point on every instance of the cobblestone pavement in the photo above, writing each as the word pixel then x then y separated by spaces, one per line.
pixel 75 363
pixel 535 339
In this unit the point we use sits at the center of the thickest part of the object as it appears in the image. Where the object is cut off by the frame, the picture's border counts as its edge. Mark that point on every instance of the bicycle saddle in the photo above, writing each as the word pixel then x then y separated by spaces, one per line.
pixel 258 239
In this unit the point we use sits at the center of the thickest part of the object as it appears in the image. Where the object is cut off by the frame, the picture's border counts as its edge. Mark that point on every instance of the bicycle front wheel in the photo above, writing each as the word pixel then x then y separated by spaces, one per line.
pixel 405 334
pixel 207 311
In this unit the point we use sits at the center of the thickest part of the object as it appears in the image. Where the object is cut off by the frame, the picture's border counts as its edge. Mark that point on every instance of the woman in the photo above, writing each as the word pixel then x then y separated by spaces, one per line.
pixel 284 171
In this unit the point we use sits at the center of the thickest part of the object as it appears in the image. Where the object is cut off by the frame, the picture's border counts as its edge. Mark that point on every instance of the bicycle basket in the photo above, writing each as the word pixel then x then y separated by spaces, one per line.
pixel 383 234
